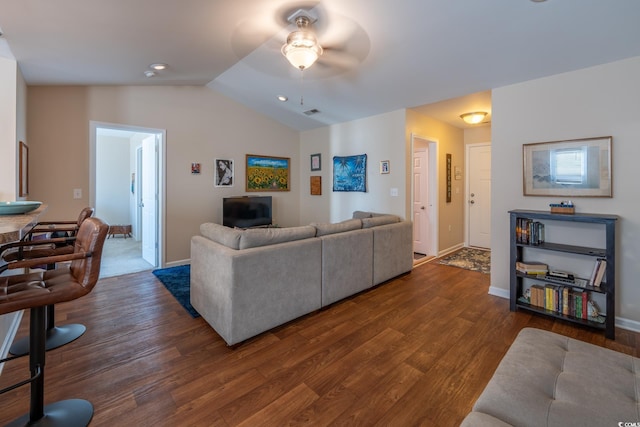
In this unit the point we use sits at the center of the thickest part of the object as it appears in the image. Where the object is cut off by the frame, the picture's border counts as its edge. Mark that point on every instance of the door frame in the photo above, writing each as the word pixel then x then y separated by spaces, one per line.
pixel 161 171
pixel 467 186
pixel 432 143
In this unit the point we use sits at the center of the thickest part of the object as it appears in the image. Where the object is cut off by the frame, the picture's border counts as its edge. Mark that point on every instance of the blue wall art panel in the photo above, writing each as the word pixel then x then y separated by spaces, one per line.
pixel 350 173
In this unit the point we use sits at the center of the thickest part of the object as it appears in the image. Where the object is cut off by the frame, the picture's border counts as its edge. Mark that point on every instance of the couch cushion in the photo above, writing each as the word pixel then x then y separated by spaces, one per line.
pixel 229 237
pixel 379 220
pixel 323 229
pixel 255 237
pixel 361 214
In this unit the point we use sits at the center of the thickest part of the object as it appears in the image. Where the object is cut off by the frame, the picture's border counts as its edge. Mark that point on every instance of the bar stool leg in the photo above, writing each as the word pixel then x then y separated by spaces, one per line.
pixel 56 336
pixel 65 413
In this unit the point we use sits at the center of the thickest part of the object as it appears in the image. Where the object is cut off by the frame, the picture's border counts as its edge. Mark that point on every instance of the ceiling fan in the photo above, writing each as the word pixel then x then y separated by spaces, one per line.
pixel 341 44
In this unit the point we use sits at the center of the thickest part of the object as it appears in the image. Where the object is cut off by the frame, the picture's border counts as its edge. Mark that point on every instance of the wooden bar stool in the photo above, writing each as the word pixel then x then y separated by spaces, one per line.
pixel 31 247
pixel 36 291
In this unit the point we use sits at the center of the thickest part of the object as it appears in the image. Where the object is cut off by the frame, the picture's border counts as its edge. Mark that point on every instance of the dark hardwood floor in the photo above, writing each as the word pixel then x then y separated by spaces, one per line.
pixel 417 350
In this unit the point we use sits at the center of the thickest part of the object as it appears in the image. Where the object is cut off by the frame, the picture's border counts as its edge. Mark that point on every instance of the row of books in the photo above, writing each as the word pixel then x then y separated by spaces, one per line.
pixel 598 272
pixel 529 232
pixel 561 299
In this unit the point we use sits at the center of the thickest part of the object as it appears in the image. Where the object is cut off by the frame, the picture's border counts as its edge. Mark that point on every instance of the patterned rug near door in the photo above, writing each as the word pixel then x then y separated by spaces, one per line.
pixel 469 259
pixel 177 280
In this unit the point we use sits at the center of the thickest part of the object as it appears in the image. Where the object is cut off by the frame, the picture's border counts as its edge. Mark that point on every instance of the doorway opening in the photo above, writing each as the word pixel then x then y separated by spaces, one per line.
pixel 424 197
pixel 126 189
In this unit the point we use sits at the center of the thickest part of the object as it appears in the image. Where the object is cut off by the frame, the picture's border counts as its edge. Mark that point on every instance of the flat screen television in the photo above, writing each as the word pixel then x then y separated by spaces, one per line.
pixel 246 211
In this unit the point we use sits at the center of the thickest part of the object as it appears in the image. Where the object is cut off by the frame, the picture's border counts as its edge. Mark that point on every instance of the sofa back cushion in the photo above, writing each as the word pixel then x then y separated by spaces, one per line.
pixel 255 237
pixel 379 220
pixel 323 229
pixel 229 237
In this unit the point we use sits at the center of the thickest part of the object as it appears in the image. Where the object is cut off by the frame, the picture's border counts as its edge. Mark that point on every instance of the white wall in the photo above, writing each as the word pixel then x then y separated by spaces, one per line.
pixel 380 137
pixel 8 129
pixel 592 102
pixel 113 179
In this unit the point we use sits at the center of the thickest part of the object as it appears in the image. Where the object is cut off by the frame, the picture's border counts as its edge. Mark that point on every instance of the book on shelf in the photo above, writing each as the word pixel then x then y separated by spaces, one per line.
pixel 598 272
pixel 534 268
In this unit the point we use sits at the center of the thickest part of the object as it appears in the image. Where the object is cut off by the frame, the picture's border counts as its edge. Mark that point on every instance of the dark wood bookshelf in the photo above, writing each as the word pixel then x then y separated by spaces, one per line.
pixel 607 252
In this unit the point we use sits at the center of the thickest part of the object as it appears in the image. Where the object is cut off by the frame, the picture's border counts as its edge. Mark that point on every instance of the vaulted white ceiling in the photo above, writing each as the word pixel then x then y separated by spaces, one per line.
pixel 381 55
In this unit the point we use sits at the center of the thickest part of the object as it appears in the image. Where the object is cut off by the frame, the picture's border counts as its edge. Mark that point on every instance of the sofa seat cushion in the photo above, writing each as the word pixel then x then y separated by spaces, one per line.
pixel 546 379
pixel 255 237
pixel 229 237
pixel 323 229
pixel 378 220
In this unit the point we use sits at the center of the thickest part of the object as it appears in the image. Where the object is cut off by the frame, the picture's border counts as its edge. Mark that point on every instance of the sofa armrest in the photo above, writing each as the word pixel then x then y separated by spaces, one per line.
pixel 478 419
pixel 392 250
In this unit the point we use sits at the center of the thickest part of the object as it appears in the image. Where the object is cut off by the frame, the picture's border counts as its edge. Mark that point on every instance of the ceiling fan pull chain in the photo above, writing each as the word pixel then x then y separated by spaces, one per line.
pixel 301 87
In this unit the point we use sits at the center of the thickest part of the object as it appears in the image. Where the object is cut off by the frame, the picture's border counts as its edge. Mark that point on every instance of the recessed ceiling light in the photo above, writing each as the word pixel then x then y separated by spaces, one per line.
pixel 282 98
pixel 158 66
pixel 149 73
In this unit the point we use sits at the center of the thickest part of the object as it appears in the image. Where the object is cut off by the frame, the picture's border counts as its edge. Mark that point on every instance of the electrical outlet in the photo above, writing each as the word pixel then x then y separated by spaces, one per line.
pixel 77 193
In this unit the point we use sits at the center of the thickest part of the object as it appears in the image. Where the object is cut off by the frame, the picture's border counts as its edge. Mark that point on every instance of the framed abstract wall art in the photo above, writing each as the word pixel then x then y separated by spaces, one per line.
pixel 350 173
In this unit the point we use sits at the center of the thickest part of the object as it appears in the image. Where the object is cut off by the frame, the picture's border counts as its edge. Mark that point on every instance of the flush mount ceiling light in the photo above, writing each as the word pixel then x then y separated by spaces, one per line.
pixel 158 66
pixel 473 118
pixel 302 48
pixel 149 73
pixel 282 98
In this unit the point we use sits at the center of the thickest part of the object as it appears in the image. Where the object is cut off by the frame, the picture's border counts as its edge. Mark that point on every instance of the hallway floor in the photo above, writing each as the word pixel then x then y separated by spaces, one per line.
pixel 122 256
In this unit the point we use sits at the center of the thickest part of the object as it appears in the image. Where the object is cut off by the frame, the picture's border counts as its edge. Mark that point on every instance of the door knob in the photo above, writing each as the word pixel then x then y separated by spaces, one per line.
pixel 472 202
pixel 422 207
pixel 472 194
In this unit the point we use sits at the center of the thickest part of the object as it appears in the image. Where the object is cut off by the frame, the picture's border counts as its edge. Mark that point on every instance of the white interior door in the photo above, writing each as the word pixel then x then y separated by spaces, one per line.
pixel 479 193
pixel 421 205
pixel 149 199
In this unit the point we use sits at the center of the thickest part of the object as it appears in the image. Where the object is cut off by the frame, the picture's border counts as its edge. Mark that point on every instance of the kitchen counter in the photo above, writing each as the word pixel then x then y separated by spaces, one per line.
pixel 13 227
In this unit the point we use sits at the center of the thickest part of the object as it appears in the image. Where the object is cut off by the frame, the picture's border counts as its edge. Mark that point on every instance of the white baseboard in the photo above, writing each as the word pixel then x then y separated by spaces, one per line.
pixel 177 263
pixel 13 320
pixel 450 249
pixel 499 292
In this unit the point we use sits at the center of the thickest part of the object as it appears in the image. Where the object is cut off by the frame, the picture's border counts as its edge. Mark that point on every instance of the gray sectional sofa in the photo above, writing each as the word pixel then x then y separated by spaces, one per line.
pixel 551 380
pixel 245 282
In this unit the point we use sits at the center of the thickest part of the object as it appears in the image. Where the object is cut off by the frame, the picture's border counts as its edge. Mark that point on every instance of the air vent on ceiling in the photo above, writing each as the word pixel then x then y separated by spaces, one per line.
pixel 312 112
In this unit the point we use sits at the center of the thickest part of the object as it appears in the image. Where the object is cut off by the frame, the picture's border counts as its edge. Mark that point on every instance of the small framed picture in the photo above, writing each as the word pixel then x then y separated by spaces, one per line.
pixel 223 173
pixel 384 166
pixel 195 168
pixel 315 162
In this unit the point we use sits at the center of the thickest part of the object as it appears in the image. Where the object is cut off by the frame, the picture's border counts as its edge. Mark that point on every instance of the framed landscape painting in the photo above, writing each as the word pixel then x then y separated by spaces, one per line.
pixel 267 173
pixel 571 168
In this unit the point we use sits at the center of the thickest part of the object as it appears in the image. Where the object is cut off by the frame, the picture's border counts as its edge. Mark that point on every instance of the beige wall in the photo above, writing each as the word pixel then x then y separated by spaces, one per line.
pixel 450 140
pixel 592 102
pixel 200 125
pixel 477 135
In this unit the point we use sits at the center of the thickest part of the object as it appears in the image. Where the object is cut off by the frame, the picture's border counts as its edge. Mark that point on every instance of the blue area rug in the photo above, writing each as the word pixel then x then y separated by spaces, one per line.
pixel 177 281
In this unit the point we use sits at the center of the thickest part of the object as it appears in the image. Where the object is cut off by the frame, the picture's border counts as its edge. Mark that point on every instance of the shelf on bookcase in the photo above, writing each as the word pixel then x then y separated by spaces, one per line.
pixel 560 247
pixel 555 314
pixel 602 289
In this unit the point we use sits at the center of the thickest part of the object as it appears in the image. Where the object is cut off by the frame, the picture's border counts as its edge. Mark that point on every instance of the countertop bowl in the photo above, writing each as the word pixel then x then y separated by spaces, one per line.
pixel 18 207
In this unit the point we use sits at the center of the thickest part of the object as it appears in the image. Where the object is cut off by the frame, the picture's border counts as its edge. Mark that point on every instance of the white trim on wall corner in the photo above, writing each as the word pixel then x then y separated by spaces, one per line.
pixel 11 334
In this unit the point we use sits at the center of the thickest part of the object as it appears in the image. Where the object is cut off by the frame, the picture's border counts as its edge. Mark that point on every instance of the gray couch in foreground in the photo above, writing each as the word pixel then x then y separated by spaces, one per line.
pixel 546 379
pixel 244 282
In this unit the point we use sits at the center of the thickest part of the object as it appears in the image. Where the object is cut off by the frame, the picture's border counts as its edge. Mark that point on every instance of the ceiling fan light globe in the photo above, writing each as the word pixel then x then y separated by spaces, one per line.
pixel 302 49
